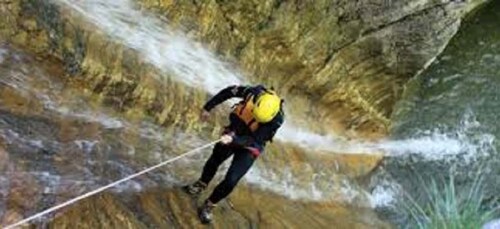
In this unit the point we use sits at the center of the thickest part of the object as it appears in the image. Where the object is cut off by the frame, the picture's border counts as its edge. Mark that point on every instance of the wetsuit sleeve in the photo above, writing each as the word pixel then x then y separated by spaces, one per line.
pixel 225 94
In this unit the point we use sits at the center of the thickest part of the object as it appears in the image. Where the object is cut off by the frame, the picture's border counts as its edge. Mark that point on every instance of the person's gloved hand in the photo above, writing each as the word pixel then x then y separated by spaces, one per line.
pixel 204 115
pixel 226 139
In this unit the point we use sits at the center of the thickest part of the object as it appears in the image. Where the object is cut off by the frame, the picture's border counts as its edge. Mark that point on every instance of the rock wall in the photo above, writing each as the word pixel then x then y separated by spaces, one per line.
pixel 349 60
pixel 345 61
pixel 173 209
pixel 57 142
pixel 106 68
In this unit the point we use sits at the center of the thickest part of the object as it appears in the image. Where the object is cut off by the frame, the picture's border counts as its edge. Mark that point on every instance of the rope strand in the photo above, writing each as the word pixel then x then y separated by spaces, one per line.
pixel 91 193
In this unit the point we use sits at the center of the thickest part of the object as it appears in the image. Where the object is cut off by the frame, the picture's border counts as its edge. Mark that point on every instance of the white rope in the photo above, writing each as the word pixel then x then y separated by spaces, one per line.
pixel 88 194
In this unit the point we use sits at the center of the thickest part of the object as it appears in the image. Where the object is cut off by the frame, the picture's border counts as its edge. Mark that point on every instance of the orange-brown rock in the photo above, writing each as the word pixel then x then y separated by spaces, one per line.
pixel 248 208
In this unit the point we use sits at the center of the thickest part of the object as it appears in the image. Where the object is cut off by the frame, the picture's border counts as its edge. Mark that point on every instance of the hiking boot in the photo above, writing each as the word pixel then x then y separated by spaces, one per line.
pixel 195 188
pixel 205 212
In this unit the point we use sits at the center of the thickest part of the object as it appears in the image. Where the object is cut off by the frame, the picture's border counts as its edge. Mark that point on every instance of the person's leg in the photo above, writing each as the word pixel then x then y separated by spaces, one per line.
pixel 219 154
pixel 242 162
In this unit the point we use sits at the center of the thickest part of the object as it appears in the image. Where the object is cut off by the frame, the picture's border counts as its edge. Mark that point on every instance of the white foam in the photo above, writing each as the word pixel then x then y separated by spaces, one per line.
pixel 86 146
pixel 3 53
pixel 105 120
pixel 287 185
pixel 35 143
pixel 129 186
pixel 467 141
pixel 384 194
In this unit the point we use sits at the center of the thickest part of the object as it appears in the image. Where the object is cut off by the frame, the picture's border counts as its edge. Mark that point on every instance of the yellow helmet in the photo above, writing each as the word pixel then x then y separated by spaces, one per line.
pixel 266 107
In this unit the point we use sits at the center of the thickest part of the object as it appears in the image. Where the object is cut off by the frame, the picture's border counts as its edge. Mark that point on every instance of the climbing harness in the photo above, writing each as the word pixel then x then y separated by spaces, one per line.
pixel 91 193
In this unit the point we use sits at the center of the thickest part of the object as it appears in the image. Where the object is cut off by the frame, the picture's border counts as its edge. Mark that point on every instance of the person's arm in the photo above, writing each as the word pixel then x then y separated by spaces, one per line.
pixel 225 94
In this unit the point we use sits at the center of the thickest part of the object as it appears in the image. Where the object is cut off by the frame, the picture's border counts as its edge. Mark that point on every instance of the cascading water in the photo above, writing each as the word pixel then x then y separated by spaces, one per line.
pixel 89 145
pixel 191 63
pixel 71 146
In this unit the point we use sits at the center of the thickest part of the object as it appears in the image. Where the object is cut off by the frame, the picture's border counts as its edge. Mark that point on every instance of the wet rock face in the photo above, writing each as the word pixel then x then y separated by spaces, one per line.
pixel 350 58
pixel 57 142
pixel 107 68
pixel 349 55
pixel 174 209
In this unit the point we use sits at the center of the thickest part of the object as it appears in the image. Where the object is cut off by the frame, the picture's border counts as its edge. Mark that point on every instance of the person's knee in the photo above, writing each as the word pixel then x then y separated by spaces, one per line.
pixel 232 180
pixel 211 162
pixel 220 148
pixel 218 156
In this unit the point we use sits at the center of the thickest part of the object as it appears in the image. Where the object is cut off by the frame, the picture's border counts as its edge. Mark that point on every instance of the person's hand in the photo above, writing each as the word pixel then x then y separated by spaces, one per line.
pixel 226 139
pixel 204 115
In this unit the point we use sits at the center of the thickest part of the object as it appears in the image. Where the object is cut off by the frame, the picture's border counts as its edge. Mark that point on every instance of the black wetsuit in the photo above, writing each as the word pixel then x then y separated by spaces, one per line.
pixel 246 145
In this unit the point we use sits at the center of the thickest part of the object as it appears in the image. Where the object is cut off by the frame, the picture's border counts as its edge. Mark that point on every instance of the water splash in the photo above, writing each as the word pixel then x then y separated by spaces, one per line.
pixel 287 185
pixel 466 141
pixel 3 53
pixel 462 145
pixel 384 194
pixel 165 48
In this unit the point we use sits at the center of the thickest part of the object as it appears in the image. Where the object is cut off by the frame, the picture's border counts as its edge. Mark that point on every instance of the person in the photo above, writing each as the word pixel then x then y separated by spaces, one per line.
pixel 252 123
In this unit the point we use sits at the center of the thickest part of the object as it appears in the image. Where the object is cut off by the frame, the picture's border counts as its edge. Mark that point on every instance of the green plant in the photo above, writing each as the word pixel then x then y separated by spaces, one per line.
pixel 445 207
